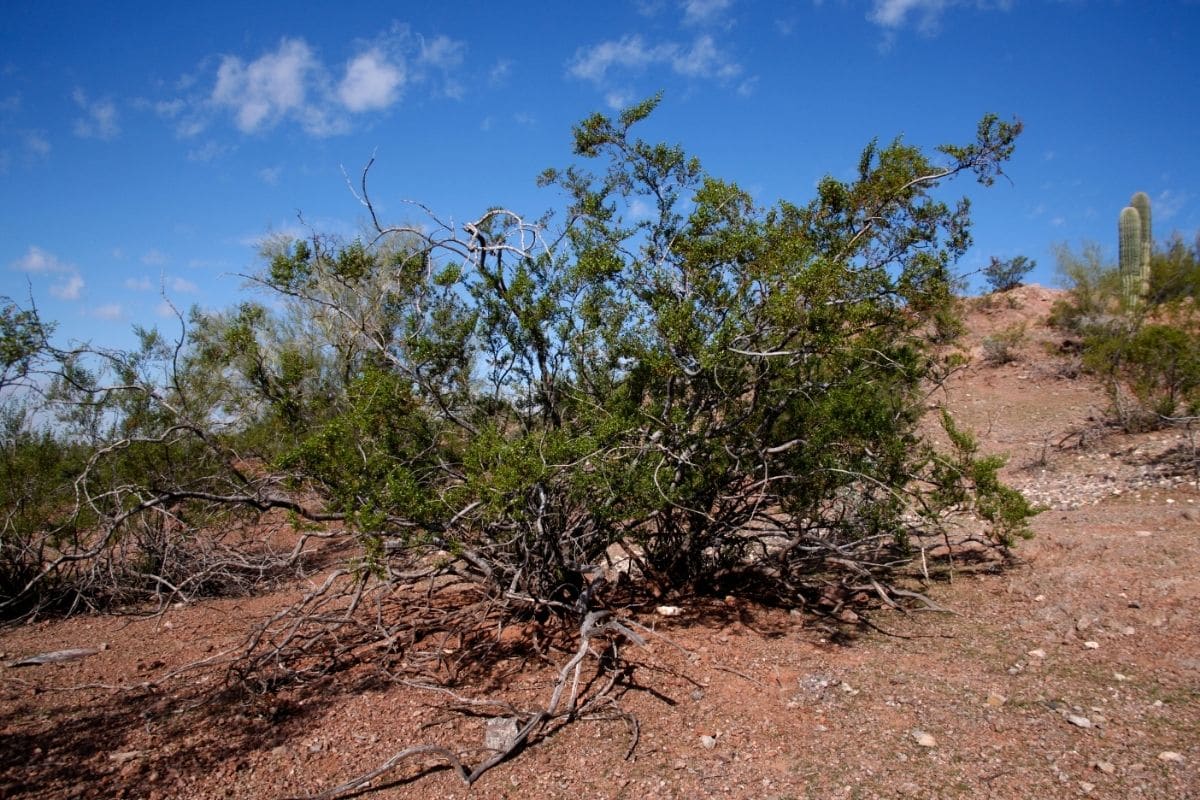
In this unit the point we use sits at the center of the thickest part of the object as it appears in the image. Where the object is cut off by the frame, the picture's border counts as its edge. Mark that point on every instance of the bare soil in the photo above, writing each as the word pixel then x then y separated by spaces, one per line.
pixel 1075 673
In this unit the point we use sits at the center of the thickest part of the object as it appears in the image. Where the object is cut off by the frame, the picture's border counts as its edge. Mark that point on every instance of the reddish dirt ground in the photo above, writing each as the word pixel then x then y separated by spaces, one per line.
pixel 1075 673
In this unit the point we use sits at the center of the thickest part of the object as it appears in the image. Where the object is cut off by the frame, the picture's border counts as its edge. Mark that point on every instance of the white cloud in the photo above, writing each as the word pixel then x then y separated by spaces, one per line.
pixel 209 151
pixel 499 73
pixel 109 311
pixel 894 14
pixel 154 258
pixel 37 144
pixel 631 53
pixel 68 289
pixel 618 99
pixel 270 175
pixel 165 309
pixel 1168 203
pixel 100 118
pixel 138 284
pixel 443 52
pixel 699 12
pixel 39 261
pixel 266 89
pixel 704 60
pixel 182 285
pixel 371 82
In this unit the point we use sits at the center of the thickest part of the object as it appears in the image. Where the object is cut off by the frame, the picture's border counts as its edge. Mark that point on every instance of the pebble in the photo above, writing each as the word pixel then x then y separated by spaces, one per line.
pixel 1039 653
pixel 1078 721
pixel 995 700
pixel 1104 766
pixel 1092 645
pixel 1171 756
pixel 708 742
pixel 924 739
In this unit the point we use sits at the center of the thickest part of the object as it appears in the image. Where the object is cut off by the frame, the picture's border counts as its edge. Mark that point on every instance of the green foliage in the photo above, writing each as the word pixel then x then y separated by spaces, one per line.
pixel 964 478
pixel 1147 359
pixel 1000 347
pixel 680 379
pixel 1002 275
pixel 1159 363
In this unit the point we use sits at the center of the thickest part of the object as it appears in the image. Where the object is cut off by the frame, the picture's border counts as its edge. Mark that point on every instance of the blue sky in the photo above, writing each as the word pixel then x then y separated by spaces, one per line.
pixel 147 148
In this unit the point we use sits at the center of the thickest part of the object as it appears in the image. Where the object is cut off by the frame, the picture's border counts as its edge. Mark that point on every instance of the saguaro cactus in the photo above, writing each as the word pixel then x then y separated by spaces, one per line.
pixel 1141 201
pixel 1136 242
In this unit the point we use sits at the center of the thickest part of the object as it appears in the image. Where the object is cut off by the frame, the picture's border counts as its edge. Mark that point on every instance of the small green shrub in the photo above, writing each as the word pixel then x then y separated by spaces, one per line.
pixel 1003 275
pixel 1001 347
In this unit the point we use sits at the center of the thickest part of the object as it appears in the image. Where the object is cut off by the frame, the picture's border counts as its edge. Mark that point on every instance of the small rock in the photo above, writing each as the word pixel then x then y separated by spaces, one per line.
pixel 1171 756
pixel 500 733
pixel 124 756
pixel 1078 721
pixel 680 764
pixel 1128 631
pixel 995 700
pixel 1086 787
pixel 1119 677
pixel 668 611
pixel 1092 645
pixel 1039 653
pixel 708 742
pixel 1104 766
pixel 924 739
pixel 1134 604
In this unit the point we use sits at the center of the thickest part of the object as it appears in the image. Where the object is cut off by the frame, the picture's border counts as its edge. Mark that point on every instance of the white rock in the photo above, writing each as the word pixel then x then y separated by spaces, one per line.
pixel 1078 721
pixel 708 742
pixel 924 739
pixel 668 611
pixel 500 733
pixel 1092 645
pixel 1039 653
pixel 1170 755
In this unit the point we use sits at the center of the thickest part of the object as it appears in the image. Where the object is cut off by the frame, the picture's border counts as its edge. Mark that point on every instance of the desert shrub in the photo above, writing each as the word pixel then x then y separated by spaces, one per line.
pixel 1002 275
pixel 1147 355
pixel 1001 347
pixel 737 390
pixel 1158 365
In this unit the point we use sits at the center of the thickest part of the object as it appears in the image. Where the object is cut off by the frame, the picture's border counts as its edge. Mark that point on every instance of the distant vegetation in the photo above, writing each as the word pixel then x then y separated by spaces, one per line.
pixel 1138 321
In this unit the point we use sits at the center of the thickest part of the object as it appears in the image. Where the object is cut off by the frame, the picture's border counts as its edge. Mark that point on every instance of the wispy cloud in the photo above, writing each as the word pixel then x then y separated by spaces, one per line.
pixel 631 53
pixel 270 175
pixel 154 257
pixel 38 261
pixel 895 14
pixel 68 288
pixel 142 284
pixel 181 285
pixel 108 311
pixel 68 284
pixel 1168 203
pixel 703 12
pixel 37 144
pixel 499 74
pixel 100 119
pixel 371 82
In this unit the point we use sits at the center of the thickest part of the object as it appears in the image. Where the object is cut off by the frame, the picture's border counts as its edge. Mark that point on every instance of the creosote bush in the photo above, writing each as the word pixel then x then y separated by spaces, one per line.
pixel 732 392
